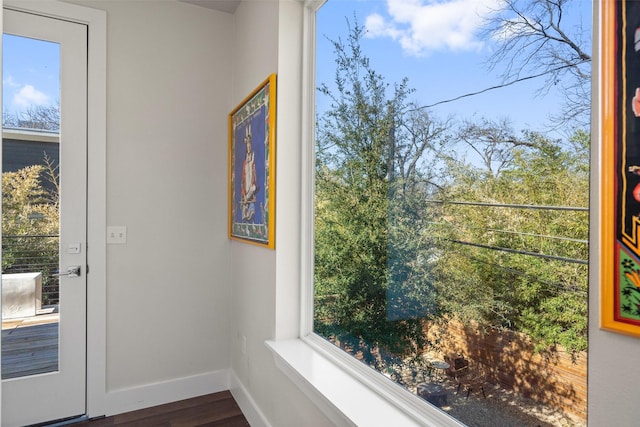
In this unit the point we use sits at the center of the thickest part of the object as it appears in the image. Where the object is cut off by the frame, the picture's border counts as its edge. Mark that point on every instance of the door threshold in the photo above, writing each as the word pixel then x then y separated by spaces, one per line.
pixel 62 422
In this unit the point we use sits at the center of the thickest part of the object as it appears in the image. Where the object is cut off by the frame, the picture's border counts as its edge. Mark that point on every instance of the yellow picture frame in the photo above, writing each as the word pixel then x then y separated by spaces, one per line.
pixel 252 166
pixel 619 191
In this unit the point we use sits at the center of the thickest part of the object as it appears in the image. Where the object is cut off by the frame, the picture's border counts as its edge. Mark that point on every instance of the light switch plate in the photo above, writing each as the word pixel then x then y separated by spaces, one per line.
pixel 116 235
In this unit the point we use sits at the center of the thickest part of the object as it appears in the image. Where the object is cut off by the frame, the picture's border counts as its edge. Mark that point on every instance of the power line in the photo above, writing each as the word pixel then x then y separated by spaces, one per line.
pixel 506 205
pixel 500 86
pixel 544 236
pixel 558 286
pixel 517 233
pixel 519 252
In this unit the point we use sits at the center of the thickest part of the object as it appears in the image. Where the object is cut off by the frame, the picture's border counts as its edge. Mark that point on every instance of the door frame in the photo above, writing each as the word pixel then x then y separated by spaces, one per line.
pixel 96 21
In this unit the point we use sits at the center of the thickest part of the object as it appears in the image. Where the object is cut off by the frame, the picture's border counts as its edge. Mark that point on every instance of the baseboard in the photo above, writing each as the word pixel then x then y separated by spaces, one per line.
pixel 252 413
pixel 132 399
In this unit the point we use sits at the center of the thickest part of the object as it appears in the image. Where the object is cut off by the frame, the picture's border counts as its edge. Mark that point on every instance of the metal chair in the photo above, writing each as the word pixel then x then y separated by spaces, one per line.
pixel 458 367
pixel 474 379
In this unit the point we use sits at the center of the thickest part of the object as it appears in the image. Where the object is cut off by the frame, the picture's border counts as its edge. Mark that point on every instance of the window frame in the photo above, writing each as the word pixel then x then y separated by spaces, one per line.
pixel 395 395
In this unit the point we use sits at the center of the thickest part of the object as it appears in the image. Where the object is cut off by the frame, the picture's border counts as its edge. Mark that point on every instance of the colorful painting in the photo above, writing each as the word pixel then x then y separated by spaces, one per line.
pixel 620 150
pixel 252 166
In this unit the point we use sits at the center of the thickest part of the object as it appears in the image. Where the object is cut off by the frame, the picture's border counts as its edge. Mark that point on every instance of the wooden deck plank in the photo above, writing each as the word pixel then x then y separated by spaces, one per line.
pixel 29 350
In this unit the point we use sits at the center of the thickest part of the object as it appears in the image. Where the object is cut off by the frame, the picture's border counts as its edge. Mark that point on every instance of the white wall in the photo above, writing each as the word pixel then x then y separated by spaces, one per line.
pixel 267 39
pixel 168 292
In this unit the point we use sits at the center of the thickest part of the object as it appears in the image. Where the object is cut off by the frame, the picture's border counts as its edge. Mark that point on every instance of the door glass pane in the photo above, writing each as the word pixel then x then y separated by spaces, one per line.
pixel 30 206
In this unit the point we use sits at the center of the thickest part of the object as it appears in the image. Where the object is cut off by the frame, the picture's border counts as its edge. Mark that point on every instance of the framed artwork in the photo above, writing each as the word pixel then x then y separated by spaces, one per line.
pixel 252 149
pixel 620 168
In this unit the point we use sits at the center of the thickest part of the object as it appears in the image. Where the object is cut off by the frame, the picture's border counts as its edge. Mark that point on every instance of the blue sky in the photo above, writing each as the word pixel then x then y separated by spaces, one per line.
pixel 30 74
pixel 437 46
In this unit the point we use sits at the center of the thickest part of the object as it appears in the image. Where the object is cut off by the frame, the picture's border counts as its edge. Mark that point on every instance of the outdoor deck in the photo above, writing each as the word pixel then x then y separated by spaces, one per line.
pixel 29 346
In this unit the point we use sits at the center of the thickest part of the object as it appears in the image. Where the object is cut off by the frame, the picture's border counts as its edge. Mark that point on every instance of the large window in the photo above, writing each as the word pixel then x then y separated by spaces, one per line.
pixel 451 200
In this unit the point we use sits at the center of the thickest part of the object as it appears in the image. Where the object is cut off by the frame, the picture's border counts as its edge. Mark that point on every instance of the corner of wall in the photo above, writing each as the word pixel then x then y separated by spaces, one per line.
pixel 247 404
pixel 266 296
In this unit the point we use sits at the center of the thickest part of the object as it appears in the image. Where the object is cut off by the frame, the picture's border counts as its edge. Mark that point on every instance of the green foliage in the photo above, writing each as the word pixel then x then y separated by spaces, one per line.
pixel 488 269
pixel 25 203
pixel 30 215
pixel 368 282
pixel 408 229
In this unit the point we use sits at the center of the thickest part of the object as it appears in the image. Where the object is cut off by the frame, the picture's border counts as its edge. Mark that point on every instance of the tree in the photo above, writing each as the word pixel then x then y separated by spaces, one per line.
pixel 492 142
pixel 534 38
pixel 371 289
pixel 30 217
pixel 43 117
pixel 30 223
pixel 506 260
pixel 408 229
pixel 25 202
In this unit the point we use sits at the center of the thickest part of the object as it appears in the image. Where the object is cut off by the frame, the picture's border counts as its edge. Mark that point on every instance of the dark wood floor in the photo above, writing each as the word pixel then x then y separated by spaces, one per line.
pixel 218 409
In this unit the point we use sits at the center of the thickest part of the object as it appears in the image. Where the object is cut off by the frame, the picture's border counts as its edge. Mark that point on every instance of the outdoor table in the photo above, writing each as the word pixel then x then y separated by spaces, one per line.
pixel 432 393
pixel 440 366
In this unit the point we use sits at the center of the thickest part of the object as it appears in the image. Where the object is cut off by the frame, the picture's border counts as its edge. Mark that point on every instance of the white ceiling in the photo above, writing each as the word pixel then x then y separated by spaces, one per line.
pixel 228 6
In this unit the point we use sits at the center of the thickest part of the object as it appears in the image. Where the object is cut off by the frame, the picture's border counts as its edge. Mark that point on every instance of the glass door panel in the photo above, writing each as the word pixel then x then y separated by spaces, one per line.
pixel 30 206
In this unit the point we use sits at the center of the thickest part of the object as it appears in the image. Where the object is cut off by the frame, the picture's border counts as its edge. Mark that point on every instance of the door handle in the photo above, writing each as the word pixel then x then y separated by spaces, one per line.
pixel 72 271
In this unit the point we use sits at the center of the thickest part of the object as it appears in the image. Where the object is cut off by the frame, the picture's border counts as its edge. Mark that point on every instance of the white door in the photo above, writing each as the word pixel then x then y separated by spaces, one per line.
pixel 44 347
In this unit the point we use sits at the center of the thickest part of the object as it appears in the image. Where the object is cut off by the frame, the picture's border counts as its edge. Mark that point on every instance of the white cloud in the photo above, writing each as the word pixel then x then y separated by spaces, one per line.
pixel 9 81
pixel 422 26
pixel 29 95
pixel 377 27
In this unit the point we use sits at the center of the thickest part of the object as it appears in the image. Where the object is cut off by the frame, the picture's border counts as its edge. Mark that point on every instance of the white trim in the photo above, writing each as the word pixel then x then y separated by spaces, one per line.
pixel 35 135
pixel 307 163
pixel 348 397
pixel 148 395
pixel 96 21
pixel 288 357
pixel 250 409
pixel 97 212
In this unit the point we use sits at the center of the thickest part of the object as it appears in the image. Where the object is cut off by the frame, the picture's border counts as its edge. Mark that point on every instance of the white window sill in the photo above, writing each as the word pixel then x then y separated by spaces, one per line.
pixel 350 396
